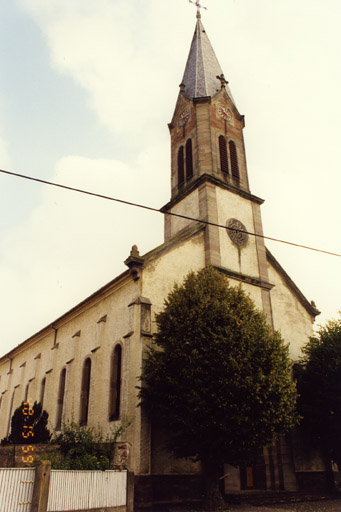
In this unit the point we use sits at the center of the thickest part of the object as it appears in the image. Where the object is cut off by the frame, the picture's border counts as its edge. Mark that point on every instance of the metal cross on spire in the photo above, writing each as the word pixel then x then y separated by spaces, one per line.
pixel 197 3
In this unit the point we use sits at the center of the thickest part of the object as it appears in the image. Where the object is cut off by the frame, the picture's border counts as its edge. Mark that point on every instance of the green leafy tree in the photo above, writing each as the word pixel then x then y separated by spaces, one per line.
pixel 28 425
pixel 84 448
pixel 217 378
pixel 319 385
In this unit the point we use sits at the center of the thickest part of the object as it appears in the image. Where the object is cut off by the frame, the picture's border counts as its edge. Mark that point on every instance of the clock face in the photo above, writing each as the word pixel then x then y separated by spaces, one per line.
pixel 183 118
pixel 224 113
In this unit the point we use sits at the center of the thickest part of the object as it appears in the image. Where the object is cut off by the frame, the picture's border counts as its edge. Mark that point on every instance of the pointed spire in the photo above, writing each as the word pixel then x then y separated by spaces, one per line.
pixel 202 67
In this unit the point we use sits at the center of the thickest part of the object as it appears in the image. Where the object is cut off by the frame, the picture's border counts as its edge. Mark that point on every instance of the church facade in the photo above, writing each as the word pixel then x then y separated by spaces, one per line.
pixel 85 365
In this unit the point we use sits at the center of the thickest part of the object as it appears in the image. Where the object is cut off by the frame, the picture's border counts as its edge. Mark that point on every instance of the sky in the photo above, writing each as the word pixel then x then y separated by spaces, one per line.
pixel 86 91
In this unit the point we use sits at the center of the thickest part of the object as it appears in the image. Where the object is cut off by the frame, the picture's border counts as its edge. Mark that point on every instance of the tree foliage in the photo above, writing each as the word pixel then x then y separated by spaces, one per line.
pixel 319 385
pixel 85 448
pixel 28 425
pixel 216 377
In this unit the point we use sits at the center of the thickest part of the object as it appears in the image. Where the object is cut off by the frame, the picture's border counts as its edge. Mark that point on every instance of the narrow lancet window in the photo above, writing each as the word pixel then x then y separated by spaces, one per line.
pixel 181 169
pixel 10 413
pixel 60 400
pixel 26 392
pixel 189 160
pixel 85 392
pixel 115 384
pixel 224 164
pixel 42 391
pixel 234 160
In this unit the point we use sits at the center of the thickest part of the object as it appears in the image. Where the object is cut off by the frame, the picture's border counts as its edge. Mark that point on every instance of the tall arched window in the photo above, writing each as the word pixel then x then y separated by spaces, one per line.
pixel 189 160
pixel 181 170
pixel 42 391
pixel 85 392
pixel 10 413
pixel 234 160
pixel 115 384
pixel 60 400
pixel 26 391
pixel 224 164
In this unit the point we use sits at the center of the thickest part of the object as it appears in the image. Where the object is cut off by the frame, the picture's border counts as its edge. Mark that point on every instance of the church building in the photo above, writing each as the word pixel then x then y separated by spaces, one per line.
pixel 85 365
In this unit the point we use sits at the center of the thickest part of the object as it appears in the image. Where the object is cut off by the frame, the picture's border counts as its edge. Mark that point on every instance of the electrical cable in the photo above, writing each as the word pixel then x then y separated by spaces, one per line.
pixel 150 208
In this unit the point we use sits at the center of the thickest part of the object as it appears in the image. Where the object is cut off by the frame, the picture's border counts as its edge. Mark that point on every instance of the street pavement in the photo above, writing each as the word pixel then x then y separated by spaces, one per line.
pixel 330 505
pixel 325 505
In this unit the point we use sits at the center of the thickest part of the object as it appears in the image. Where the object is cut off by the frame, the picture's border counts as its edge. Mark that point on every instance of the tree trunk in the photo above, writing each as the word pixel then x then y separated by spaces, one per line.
pixel 213 499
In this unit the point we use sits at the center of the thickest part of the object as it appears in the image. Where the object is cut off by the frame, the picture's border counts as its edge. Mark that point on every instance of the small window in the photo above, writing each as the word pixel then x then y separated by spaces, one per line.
pixel 224 165
pixel 60 400
pixel 234 160
pixel 181 170
pixel 189 160
pixel 85 392
pixel 115 384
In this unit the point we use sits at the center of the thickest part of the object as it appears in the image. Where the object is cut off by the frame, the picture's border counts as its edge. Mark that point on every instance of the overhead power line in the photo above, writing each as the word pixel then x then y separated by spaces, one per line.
pixel 150 208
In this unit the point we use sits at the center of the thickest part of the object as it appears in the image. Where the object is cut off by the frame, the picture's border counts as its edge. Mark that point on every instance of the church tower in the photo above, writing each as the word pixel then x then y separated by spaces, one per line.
pixel 209 178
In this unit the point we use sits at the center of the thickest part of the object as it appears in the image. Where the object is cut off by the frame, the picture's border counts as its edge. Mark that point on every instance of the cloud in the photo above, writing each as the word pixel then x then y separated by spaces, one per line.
pixel 95 44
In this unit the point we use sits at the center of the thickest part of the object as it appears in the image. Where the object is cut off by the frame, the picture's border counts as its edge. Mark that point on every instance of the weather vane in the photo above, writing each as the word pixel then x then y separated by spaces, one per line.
pixel 197 3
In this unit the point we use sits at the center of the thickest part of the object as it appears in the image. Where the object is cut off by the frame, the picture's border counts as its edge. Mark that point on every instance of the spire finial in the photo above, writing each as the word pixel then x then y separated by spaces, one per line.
pixel 198 6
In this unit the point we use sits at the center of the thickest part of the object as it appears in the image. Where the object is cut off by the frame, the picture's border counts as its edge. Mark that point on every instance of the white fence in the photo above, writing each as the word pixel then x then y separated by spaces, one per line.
pixel 81 490
pixel 16 489
pixel 68 490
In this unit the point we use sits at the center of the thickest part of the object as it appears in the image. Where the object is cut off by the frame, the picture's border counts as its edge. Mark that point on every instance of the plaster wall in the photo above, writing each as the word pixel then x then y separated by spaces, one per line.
pixel 161 273
pixel 242 259
pixel 188 206
pixel 254 292
pixel 289 316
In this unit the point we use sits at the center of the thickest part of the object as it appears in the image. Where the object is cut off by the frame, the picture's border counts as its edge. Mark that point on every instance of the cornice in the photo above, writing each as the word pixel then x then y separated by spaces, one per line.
pixel 183 235
pixel 209 178
pixel 255 281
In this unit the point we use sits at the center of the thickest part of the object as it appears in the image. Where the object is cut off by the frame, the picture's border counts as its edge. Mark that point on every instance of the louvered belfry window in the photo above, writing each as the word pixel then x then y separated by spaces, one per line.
pixel 234 160
pixel 115 384
pixel 181 167
pixel 189 160
pixel 85 392
pixel 224 164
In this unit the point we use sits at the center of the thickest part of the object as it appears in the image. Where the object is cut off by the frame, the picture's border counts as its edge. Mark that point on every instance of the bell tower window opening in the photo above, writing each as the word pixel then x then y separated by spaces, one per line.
pixel 234 160
pixel 224 163
pixel 181 166
pixel 60 400
pixel 189 160
pixel 115 384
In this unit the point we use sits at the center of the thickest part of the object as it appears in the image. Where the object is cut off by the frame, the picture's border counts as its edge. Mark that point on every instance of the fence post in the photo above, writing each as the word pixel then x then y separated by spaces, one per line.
pixel 130 491
pixel 41 486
